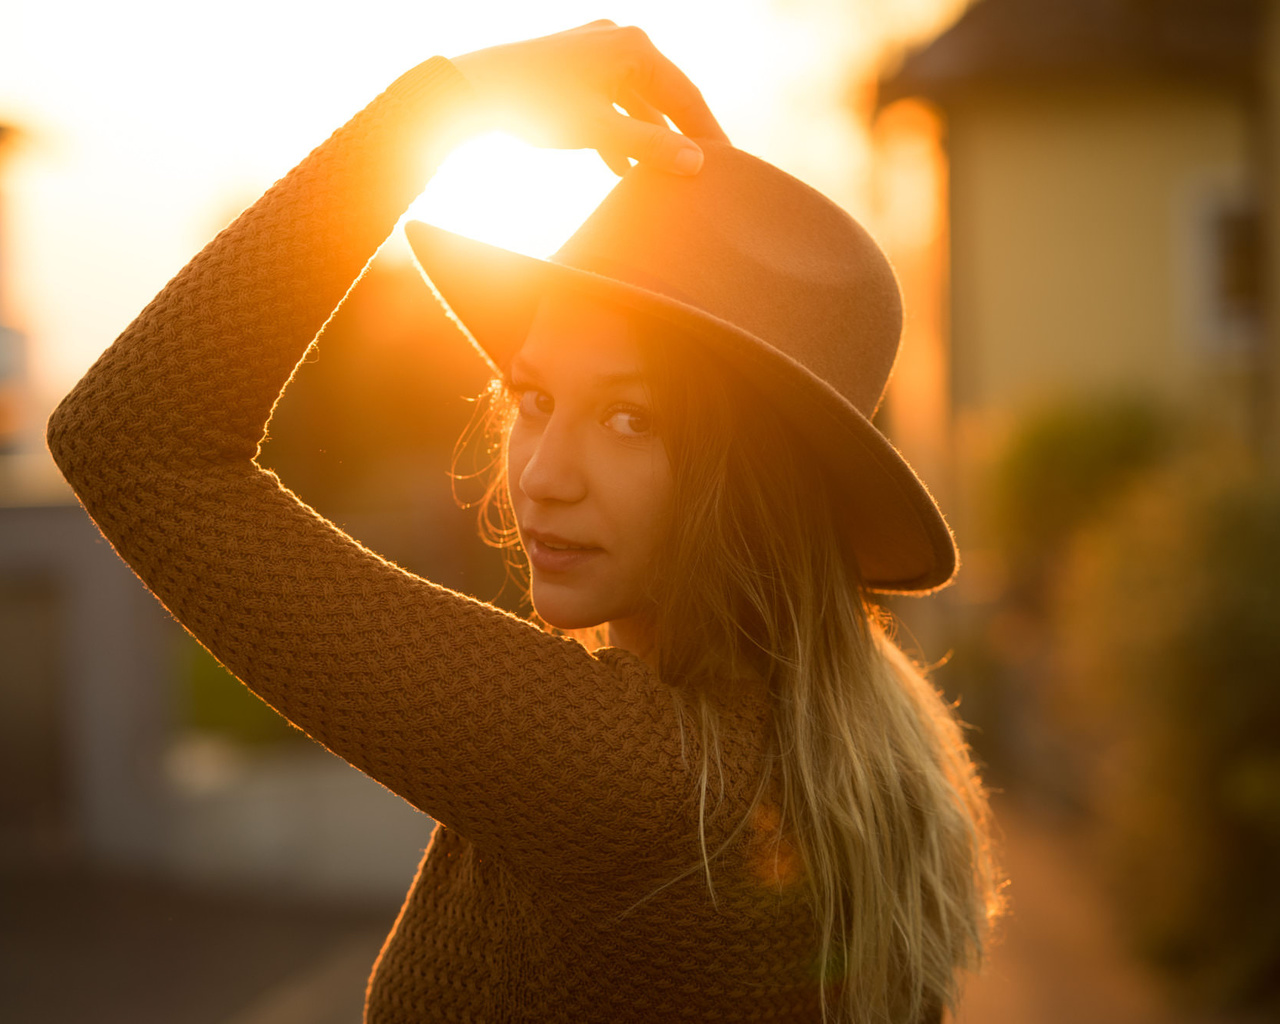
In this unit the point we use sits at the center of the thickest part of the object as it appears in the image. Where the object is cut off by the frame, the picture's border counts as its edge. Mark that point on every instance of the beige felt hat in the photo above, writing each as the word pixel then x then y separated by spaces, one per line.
pixel 772 275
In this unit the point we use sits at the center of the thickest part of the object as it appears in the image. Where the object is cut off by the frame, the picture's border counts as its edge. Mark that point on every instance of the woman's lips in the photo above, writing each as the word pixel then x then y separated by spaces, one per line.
pixel 556 559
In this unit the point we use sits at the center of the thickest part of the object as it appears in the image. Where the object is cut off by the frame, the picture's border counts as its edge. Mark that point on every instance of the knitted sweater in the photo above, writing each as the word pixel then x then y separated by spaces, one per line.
pixel 563 782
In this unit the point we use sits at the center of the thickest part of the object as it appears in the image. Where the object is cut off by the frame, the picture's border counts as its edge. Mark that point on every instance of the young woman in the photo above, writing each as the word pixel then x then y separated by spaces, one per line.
pixel 748 804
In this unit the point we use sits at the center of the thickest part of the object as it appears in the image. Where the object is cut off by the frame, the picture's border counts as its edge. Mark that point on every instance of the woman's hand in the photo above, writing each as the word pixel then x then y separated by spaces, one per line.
pixel 559 91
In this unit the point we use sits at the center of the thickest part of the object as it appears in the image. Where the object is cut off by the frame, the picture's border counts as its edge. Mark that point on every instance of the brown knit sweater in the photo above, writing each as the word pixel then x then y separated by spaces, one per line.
pixel 563 783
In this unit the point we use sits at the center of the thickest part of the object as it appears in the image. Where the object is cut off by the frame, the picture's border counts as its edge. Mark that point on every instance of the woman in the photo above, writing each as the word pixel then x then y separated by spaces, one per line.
pixel 748 805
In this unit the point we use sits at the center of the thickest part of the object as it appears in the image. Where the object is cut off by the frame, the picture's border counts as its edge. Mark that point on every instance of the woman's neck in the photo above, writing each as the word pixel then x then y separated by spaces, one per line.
pixel 635 634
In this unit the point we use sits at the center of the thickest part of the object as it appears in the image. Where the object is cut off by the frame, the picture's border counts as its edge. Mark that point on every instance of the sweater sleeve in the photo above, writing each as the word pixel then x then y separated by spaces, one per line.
pixel 515 738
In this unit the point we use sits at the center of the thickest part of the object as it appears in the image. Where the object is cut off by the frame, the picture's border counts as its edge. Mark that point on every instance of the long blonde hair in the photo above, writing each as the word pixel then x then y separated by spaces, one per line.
pixel 874 784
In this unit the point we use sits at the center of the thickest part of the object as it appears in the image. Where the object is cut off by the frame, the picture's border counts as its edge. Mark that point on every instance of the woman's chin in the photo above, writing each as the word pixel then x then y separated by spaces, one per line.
pixel 566 615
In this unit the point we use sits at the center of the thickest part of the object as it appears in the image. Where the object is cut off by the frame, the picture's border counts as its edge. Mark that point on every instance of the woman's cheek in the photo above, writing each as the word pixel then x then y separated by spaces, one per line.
pixel 517 458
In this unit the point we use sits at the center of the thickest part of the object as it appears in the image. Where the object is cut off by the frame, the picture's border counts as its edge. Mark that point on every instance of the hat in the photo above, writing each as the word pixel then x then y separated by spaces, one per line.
pixel 774 277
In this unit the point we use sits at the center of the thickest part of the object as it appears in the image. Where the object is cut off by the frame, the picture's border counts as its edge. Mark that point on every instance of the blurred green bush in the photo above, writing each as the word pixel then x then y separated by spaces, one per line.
pixel 1066 467
pixel 211 701
pixel 1142 555
pixel 1167 619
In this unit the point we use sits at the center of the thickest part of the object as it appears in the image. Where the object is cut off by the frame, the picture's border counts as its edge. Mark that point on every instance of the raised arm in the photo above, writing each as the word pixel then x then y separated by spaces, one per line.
pixel 473 715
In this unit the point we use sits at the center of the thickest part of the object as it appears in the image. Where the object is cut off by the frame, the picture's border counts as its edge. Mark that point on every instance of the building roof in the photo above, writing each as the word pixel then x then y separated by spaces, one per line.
pixel 1044 42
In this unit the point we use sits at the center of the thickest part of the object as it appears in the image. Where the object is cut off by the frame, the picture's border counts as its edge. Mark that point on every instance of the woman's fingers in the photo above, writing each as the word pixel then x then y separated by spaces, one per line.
pixel 633 104
pixel 615 161
pixel 649 144
pixel 637 106
pixel 670 90
pixel 652 89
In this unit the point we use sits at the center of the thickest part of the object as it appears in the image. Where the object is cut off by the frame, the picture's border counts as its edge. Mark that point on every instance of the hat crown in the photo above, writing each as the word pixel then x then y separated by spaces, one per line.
pixel 755 247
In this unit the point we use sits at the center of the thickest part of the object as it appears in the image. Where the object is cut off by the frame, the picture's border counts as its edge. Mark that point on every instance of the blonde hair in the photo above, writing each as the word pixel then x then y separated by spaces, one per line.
pixel 868 777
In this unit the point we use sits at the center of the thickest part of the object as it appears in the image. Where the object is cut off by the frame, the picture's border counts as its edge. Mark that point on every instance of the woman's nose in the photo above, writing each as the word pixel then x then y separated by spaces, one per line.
pixel 554 471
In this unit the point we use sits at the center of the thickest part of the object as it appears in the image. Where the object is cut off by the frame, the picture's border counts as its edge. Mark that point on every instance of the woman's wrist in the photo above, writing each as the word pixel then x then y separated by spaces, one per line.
pixel 428 78
pixel 455 108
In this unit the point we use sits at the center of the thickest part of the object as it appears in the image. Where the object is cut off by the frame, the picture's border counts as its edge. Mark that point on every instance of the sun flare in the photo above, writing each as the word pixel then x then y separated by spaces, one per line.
pixel 500 190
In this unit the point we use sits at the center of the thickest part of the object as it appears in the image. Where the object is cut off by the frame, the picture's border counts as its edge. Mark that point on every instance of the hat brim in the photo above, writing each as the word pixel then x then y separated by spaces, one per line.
pixel 899 536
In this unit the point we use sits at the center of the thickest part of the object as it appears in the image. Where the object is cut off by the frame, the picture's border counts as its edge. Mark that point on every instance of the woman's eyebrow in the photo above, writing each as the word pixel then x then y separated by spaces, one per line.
pixel 518 365
pixel 601 380
pixel 605 380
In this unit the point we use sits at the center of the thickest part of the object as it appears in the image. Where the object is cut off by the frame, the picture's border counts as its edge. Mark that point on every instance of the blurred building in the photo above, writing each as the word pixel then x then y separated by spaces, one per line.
pixel 1103 220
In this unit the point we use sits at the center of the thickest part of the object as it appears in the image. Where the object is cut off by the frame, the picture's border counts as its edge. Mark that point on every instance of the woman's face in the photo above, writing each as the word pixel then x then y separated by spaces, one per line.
pixel 589 477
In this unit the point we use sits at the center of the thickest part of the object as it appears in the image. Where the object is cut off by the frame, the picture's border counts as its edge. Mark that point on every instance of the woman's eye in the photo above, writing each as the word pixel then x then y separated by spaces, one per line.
pixel 535 403
pixel 630 422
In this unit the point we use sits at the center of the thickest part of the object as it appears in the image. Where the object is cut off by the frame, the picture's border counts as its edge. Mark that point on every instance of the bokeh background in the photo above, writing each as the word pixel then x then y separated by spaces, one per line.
pixel 1082 201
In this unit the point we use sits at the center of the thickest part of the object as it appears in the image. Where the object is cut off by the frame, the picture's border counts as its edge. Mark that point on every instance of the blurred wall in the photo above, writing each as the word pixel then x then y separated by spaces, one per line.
pixel 83 693
pixel 1091 233
pixel 1084 252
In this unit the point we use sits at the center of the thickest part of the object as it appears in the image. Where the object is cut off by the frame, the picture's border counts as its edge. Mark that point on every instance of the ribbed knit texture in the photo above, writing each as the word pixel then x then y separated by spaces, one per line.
pixel 561 779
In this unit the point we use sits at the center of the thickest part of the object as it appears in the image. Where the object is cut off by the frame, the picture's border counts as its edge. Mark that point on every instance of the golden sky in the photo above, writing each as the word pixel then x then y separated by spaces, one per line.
pixel 147 124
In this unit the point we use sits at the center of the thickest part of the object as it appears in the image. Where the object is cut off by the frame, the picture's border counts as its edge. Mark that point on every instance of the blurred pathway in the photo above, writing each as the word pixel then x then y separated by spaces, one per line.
pixel 1061 960
pixel 331 991
pixel 79 946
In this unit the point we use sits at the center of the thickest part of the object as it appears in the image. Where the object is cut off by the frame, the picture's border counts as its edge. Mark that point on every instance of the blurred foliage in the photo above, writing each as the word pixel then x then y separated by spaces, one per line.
pixel 1135 644
pixel 1067 465
pixel 1167 617
pixel 1063 468
pixel 212 700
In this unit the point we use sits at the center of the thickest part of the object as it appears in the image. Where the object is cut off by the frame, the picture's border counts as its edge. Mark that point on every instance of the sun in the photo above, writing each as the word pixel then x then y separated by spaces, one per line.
pixel 498 189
